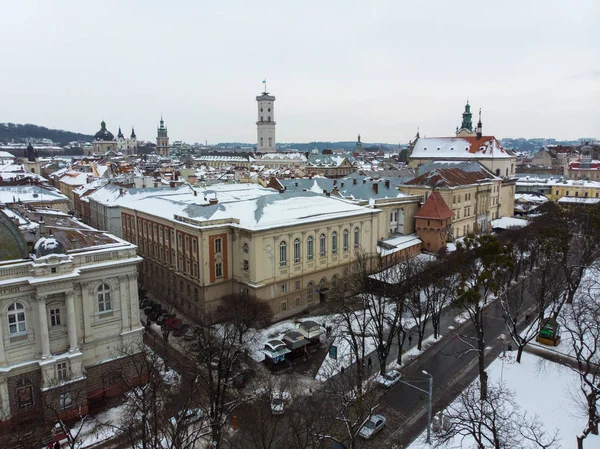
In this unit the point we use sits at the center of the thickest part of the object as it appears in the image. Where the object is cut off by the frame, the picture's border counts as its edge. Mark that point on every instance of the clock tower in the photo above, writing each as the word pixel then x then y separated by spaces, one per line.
pixel 265 124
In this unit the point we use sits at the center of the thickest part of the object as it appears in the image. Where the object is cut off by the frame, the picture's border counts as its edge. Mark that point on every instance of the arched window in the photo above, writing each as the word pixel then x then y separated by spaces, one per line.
pixel 334 242
pixel 310 292
pixel 297 250
pixel 356 237
pixel 104 302
pixel 310 248
pixel 345 240
pixel 282 254
pixel 16 318
pixel 246 248
pixel 261 141
pixel 322 245
pixel 270 141
pixel 334 281
pixel 322 284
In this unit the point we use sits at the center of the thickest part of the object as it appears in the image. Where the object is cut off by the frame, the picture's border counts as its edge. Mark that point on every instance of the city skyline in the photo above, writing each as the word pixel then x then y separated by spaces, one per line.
pixel 337 69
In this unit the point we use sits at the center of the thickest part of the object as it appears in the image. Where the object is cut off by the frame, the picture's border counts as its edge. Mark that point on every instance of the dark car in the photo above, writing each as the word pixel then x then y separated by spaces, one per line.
pixel 163 318
pixel 179 332
pixel 241 379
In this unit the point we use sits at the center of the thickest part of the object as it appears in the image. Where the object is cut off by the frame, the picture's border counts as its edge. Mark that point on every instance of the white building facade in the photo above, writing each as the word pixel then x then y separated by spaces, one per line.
pixel 69 317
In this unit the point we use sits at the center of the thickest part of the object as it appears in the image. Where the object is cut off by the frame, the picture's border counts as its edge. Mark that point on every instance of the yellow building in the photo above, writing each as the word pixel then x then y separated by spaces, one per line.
pixel 285 249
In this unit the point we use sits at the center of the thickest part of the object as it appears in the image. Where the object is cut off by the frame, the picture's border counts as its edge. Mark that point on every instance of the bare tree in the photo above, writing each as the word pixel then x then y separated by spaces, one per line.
pixel 480 263
pixel 218 354
pixel 494 422
pixel 245 313
pixel 582 324
pixel 65 404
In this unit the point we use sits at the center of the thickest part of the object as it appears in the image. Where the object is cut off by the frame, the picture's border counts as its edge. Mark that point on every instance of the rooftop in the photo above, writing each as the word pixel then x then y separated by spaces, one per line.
pixel 485 147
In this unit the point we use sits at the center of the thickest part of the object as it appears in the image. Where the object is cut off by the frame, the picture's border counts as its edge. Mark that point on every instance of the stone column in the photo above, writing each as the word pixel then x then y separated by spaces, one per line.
pixel 71 321
pixel 88 308
pixel 134 301
pixel 4 398
pixel 2 353
pixel 124 293
pixel 43 326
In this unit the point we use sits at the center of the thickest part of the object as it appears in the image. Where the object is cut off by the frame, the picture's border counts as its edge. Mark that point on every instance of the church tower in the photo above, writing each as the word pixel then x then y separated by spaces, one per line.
pixel 466 127
pixel 132 144
pixel 266 122
pixel 162 140
pixel 121 142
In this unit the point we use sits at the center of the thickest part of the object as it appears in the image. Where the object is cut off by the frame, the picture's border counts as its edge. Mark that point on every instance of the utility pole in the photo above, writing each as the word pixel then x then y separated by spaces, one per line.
pixel 429 406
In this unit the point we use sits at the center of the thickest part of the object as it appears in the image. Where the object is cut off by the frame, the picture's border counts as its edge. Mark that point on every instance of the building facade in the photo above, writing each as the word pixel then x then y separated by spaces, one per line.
pixel 127 145
pixel 104 141
pixel 285 249
pixel 68 308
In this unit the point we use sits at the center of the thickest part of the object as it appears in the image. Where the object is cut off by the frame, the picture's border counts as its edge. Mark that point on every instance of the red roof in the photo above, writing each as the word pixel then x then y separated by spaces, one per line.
pixel 435 207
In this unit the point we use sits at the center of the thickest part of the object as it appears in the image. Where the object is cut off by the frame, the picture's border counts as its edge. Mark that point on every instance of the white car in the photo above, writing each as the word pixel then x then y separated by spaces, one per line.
pixel 279 400
pixel 372 427
pixel 389 379
pixel 189 416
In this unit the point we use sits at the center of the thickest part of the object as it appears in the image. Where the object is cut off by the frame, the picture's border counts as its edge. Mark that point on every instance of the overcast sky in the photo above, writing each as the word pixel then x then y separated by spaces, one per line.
pixel 337 68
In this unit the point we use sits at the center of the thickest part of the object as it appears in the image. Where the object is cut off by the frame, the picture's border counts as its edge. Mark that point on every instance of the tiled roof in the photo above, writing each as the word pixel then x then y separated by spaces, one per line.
pixel 435 207
pixel 451 176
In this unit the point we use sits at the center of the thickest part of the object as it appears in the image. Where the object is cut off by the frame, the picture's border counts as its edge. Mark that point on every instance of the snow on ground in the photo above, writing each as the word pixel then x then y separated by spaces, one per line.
pixel 543 388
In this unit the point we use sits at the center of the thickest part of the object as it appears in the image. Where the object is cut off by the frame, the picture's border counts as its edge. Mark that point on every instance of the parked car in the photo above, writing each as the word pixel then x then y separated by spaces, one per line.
pixel 180 332
pixel 173 322
pixel 279 401
pixel 372 427
pixel 241 379
pixel 389 379
pixel 189 334
pixel 189 416
pixel 164 317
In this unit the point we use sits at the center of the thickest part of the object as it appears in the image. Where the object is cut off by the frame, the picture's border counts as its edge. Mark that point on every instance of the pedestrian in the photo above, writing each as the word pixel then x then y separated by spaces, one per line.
pixel 370 363
pixel 56 445
pixel 342 370
pixel 410 340
pixel 527 318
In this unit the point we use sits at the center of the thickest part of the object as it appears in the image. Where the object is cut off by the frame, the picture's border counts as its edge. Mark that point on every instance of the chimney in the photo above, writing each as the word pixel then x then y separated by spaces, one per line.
pixel 387 183
pixel 354 182
pixel 42 227
pixel 364 181
pixel 195 193
pixel 342 185
pixel 121 191
pixel 335 182
pixel 376 187
pixel 327 193
pixel 212 201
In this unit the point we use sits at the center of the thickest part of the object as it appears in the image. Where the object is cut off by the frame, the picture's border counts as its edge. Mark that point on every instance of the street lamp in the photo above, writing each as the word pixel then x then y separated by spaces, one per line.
pixel 430 406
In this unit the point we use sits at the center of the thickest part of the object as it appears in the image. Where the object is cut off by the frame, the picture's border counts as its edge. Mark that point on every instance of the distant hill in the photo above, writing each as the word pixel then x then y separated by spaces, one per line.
pixel 11 132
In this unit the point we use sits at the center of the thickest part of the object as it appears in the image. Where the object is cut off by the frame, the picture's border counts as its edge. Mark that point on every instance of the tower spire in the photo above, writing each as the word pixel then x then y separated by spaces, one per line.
pixel 479 126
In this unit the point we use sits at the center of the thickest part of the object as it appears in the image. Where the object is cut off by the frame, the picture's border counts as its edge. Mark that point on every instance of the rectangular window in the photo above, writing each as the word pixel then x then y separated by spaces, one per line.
pixel 166 236
pixel 218 245
pixel 283 288
pixel 298 285
pixel 283 306
pixel 356 237
pixel 322 246
pixel 187 243
pixel 310 250
pixel 62 371
pixel 195 273
pixel 65 400
pixel 194 245
pixel 54 317
pixel 345 240
pixel 334 243
pixel 298 301
pixel 219 270
pixel 246 265
pixel 296 251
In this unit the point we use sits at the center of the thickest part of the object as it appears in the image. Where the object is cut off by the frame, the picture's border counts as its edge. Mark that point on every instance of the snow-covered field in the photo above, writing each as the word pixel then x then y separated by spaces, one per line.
pixel 543 388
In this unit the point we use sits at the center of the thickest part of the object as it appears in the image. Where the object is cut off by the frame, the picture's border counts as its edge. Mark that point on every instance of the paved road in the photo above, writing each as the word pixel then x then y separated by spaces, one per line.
pixel 452 369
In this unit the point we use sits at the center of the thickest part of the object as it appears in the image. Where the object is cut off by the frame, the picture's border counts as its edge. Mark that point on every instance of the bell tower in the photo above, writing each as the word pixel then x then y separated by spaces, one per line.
pixel 162 139
pixel 265 124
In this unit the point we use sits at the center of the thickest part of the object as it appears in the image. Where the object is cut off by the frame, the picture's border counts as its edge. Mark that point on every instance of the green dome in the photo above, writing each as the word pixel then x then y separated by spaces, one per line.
pixel 12 243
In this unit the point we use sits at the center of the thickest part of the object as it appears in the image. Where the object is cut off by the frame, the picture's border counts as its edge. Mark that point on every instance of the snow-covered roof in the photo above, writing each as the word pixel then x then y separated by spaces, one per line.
pixel 6 155
pixel 508 222
pixel 578 200
pixel 397 243
pixel 486 147
pixel 530 198
pixel 248 206
pixel 30 194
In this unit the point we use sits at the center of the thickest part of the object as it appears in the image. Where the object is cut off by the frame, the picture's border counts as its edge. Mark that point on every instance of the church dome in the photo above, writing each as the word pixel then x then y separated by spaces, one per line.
pixel 104 134
pixel 13 244
pixel 48 245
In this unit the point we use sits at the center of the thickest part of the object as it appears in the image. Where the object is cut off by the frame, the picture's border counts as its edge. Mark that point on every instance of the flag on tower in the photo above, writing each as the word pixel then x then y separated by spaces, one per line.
pixel 265 81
